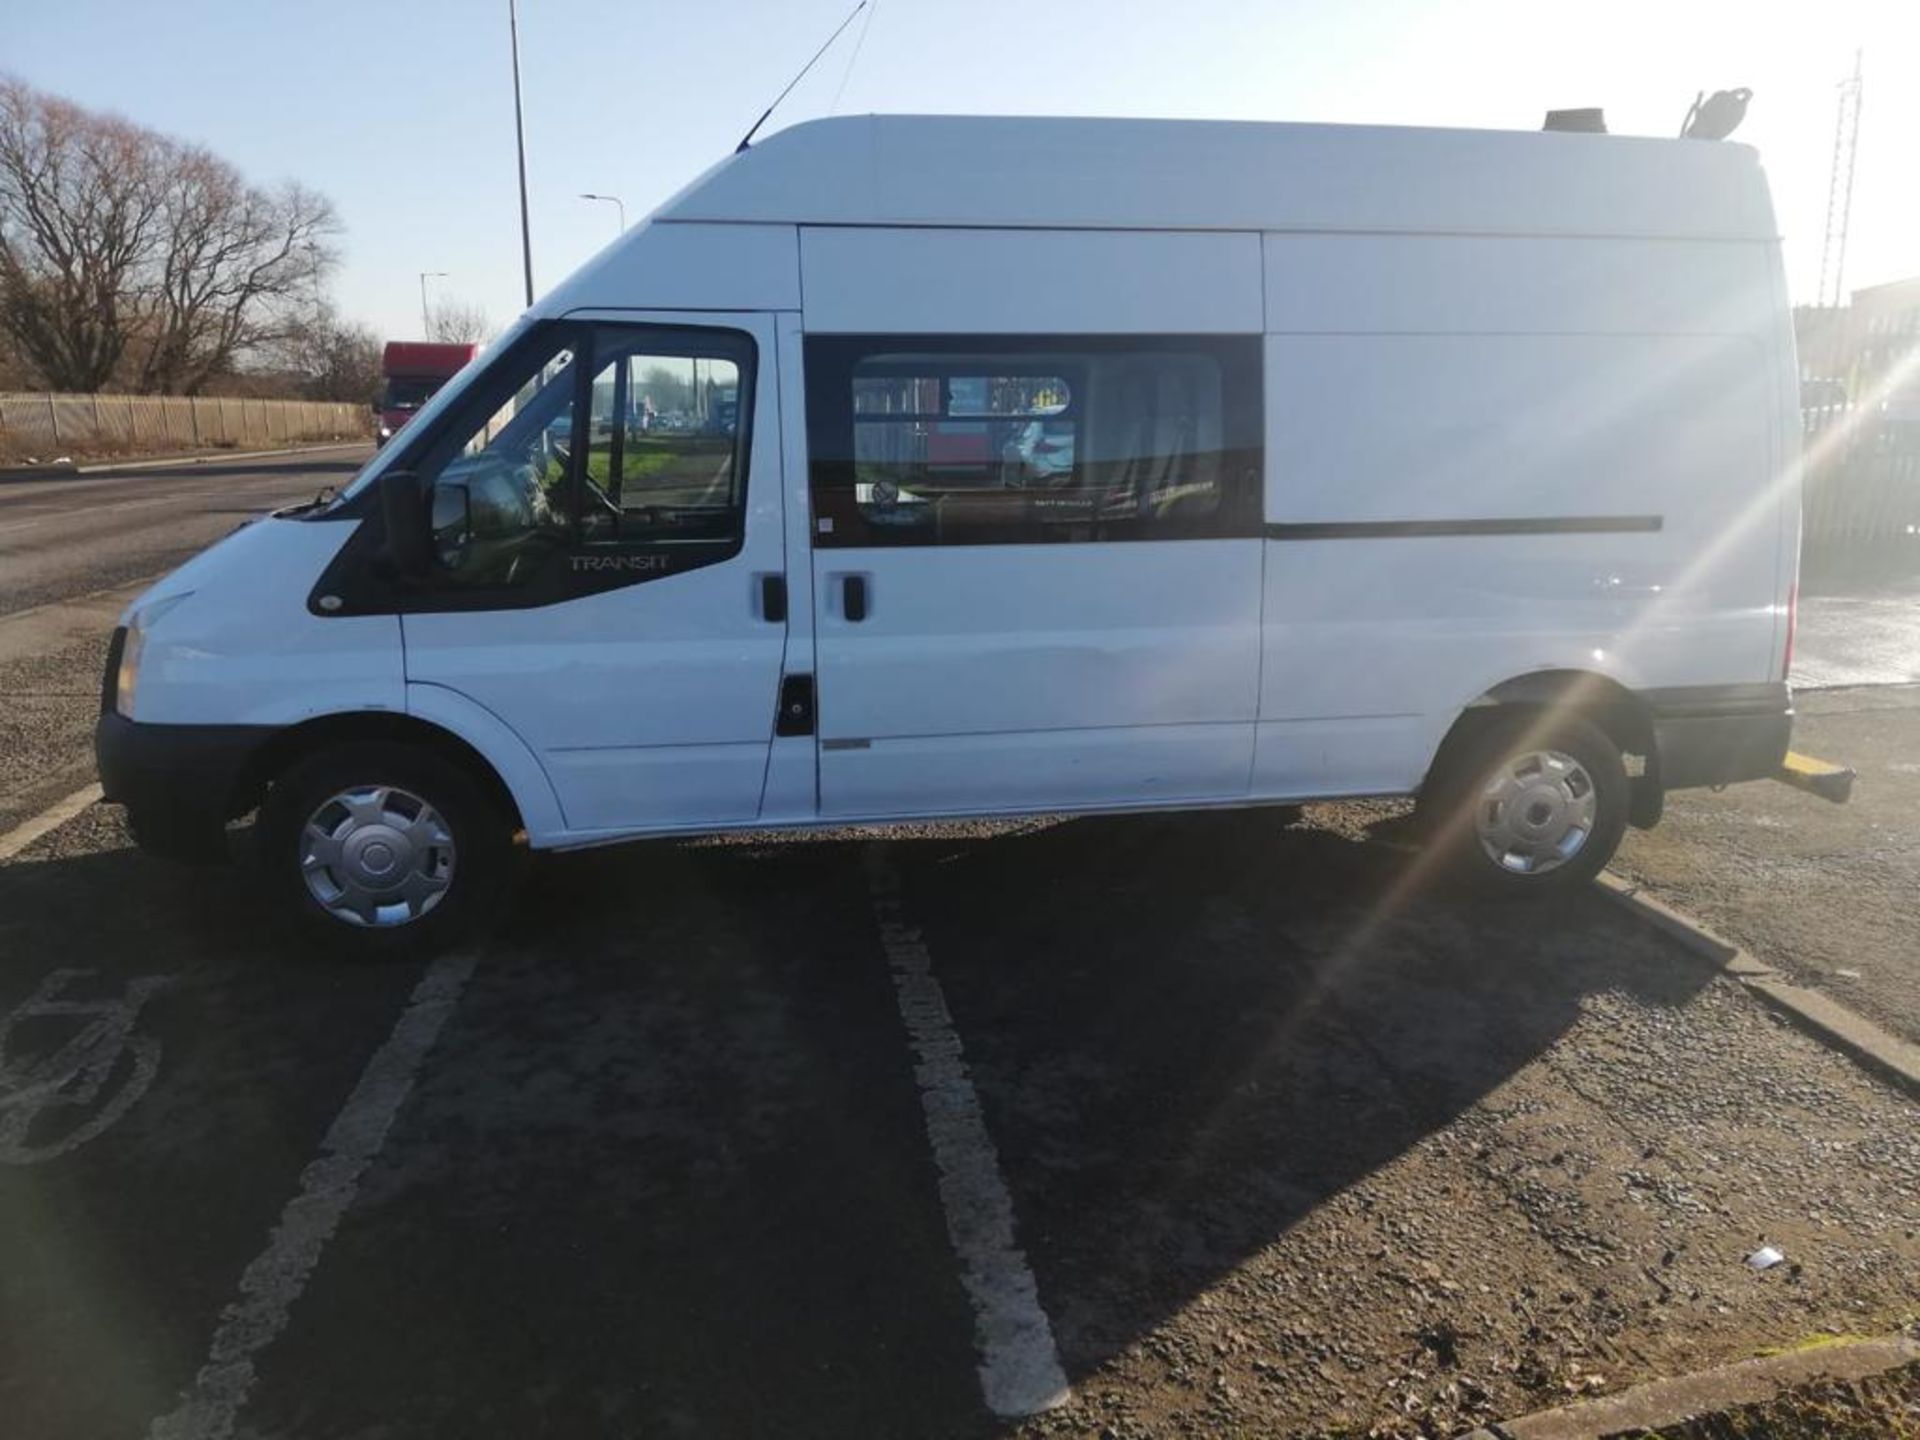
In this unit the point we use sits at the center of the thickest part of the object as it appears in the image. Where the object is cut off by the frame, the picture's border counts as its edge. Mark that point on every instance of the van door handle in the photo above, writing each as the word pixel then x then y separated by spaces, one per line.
pixel 853 597
pixel 773 599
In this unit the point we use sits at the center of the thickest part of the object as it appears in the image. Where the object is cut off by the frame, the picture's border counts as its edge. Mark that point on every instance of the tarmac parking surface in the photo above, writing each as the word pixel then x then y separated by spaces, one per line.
pixel 1287 1146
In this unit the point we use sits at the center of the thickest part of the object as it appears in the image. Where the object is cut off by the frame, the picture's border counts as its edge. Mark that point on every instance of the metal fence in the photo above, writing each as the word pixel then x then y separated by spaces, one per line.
pixel 47 427
pixel 1862 482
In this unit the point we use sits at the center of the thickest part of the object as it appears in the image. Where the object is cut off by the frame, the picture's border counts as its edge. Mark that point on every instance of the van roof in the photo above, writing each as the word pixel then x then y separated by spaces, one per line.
pixel 943 170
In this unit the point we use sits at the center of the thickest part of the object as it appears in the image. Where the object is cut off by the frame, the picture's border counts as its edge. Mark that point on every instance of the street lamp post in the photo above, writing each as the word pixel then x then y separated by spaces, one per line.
pixel 616 201
pixel 426 321
pixel 520 144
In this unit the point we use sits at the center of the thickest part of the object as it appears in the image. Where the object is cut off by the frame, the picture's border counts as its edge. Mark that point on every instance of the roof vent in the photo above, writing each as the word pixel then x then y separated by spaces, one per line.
pixel 1591 121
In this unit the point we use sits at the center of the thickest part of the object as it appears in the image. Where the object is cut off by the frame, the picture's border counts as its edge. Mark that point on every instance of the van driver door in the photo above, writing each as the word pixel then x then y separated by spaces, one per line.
pixel 607 518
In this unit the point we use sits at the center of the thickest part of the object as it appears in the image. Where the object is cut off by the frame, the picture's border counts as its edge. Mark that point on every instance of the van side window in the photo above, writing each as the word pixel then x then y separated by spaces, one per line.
pixel 662 460
pixel 592 456
pixel 972 440
pixel 501 507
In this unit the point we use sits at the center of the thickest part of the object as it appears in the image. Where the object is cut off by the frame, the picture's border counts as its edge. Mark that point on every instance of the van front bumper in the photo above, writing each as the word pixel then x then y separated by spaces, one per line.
pixel 180 783
pixel 1720 734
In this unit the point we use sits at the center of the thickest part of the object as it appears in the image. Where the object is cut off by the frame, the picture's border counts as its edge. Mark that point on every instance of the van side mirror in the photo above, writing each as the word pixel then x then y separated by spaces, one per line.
pixel 403 506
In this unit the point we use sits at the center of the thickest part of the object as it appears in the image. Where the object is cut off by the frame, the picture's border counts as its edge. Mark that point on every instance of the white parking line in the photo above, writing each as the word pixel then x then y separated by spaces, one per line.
pixel 1019 1366
pixel 47 821
pixel 278 1275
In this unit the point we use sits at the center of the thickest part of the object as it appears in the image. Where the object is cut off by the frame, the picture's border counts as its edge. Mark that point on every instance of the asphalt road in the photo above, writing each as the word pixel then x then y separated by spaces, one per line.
pixel 1229 1125
pixel 63 538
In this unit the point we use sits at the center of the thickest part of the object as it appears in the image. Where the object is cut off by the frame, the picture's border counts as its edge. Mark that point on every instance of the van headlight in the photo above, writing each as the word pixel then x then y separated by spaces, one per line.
pixel 126 678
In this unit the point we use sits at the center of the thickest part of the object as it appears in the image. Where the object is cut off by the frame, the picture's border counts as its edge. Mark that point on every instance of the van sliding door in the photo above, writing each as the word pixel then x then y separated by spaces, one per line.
pixel 1036 569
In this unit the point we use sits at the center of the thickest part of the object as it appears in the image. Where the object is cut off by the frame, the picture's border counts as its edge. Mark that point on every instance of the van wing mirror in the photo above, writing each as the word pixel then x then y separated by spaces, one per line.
pixel 403 506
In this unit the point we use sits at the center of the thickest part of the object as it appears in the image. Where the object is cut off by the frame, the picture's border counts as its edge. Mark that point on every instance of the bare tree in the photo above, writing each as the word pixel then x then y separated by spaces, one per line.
pixel 454 322
pixel 79 215
pixel 336 359
pixel 126 256
pixel 236 263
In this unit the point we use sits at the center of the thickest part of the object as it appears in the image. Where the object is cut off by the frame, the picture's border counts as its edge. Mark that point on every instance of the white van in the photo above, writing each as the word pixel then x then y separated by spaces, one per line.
pixel 933 467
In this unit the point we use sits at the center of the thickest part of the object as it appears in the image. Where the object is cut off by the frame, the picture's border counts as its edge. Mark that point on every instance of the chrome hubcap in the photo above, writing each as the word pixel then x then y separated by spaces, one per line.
pixel 1536 812
pixel 377 856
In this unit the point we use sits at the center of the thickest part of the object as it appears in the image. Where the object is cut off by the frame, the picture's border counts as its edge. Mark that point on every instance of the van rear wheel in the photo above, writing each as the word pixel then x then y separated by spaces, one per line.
pixel 1532 804
pixel 384 847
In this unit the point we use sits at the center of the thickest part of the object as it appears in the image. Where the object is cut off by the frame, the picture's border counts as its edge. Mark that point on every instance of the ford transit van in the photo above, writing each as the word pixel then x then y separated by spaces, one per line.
pixel 909 467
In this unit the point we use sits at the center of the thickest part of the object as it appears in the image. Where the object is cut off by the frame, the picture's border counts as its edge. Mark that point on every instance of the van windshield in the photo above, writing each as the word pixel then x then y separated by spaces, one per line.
pixel 410 392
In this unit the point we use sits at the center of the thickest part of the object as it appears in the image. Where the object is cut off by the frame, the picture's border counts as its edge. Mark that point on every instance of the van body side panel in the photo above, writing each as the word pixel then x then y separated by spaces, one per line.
pixel 878 280
pixel 1022 676
pixel 660 265
pixel 512 759
pixel 1788 466
pixel 1491 457
pixel 1490 285
pixel 793 773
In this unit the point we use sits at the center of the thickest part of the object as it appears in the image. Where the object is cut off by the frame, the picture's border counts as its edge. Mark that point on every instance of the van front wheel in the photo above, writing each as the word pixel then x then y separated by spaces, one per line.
pixel 384 846
pixel 1532 804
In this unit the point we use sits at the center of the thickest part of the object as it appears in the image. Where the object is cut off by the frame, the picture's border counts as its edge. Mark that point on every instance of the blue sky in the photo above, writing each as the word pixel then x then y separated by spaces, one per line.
pixel 401 111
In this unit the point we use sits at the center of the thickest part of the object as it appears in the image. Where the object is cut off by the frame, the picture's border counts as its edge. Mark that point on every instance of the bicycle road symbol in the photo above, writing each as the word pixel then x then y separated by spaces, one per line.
pixel 57 1101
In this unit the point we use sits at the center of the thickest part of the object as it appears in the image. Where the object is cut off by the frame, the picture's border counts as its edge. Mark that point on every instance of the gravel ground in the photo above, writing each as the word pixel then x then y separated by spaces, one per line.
pixel 1823 892
pixel 48 705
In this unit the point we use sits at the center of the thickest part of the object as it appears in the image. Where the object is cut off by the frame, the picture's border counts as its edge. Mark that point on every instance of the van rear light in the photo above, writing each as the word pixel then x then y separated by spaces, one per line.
pixel 1793 620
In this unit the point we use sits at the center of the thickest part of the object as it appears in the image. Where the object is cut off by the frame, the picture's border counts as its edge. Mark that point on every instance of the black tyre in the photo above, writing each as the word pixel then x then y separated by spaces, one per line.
pixel 385 847
pixel 1528 803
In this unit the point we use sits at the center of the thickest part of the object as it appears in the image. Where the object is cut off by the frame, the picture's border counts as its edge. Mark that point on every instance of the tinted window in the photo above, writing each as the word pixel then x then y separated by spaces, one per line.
pixel 956 441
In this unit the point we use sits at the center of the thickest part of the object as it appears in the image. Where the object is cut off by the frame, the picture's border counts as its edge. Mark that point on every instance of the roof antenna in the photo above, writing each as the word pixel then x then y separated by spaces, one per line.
pixel 747 138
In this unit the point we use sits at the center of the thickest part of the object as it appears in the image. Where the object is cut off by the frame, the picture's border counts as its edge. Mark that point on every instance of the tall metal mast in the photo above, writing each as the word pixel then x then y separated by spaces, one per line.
pixel 1846 142
pixel 520 148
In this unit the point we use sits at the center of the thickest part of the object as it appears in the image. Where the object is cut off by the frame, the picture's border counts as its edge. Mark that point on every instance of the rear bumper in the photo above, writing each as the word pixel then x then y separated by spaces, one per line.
pixel 1720 734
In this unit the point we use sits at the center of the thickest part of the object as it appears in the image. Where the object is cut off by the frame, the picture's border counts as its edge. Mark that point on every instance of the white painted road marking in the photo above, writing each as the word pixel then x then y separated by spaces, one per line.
pixel 278 1275
pixel 47 821
pixel 1019 1367
pixel 71 1078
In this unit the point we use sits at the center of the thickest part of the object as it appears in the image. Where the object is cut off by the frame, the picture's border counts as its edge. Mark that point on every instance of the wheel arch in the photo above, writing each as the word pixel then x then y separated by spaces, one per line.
pixel 1600 699
pixel 294 743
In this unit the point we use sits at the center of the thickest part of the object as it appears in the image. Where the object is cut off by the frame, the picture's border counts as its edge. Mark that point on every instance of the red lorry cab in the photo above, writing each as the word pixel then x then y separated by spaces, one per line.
pixel 411 370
